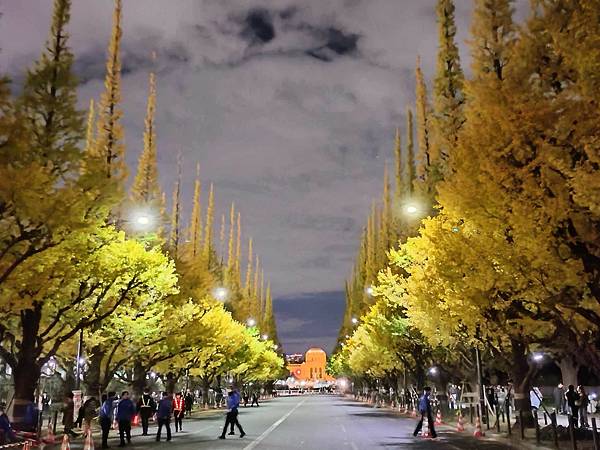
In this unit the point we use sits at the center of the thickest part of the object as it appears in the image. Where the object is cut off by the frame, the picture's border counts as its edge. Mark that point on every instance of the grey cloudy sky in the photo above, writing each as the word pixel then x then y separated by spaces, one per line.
pixel 290 107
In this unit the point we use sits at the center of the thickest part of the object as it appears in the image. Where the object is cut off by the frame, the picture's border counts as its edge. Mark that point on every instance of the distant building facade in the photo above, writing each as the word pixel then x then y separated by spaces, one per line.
pixel 312 369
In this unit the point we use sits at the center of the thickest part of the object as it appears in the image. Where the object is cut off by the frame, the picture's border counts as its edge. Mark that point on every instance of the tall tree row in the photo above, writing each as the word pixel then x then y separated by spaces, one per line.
pixel 508 259
pixel 81 260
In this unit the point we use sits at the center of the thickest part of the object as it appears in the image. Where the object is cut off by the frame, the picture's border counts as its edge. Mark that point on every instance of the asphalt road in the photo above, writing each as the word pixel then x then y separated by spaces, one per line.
pixel 309 423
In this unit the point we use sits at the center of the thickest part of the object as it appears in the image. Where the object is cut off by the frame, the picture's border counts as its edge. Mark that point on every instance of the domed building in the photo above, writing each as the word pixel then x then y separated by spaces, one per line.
pixel 312 369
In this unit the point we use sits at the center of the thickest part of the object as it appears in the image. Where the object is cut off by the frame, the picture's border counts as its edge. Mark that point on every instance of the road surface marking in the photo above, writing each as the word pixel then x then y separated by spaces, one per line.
pixel 343 428
pixel 269 430
pixel 354 446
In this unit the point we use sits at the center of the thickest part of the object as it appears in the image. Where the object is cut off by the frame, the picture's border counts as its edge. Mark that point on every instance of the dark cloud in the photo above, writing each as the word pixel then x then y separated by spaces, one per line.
pixel 309 320
pixel 259 26
pixel 290 106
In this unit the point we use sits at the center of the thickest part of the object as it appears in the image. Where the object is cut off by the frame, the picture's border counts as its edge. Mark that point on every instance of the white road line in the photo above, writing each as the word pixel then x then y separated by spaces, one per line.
pixel 354 446
pixel 343 428
pixel 269 430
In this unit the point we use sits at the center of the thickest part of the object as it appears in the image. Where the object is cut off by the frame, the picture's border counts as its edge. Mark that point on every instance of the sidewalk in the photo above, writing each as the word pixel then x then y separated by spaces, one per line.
pixel 450 424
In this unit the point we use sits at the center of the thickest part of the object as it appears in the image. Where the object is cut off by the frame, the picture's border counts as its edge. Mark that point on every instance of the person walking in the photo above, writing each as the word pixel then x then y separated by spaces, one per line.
pixel 68 411
pixel 146 407
pixel 254 399
pixel 559 398
pixel 584 401
pixel 189 402
pixel 178 411
pixel 231 418
pixel 106 416
pixel 425 410
pixel 163 415
pixel 124 414
pixel 88 412
pixel 572 398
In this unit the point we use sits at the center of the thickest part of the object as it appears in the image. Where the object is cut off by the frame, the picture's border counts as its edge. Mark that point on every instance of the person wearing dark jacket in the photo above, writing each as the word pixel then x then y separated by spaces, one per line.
pixel 163 415
pixel 189 402
pixel 124 414
pixel 573 401
pixel 146 407
pixel 233 403
pixel 425 410
pixel 7 434
pixel 106 417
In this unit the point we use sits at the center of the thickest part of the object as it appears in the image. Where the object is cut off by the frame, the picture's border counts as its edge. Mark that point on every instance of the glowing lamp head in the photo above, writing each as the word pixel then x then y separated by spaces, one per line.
pixel 369 290
pixel 220 294
pixel 433 371
pixel 411 209
pixel 265 337
pixel 143 220
pixel 538 357
pixel 251 322
pixel 354 320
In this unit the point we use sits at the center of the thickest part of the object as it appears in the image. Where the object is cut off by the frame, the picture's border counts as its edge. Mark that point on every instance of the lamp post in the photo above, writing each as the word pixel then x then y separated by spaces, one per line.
pixel 480 387
pixel 78 361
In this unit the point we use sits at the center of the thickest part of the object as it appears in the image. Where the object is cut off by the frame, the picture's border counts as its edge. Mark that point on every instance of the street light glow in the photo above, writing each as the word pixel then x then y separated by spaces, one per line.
pixel 220 294
pixel 143 220
pixel 251 322
pixel 354 320
pixel 369 291
pixel 411 209
pixel 433 370
pixel 265 337
pixel 538 356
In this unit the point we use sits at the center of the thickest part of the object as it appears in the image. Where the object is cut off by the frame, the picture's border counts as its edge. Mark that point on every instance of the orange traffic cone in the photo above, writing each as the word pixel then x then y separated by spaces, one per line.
pixel 65 443
pixel 478 431
pixel 136 420
pixel 460 426
pixel 438 417
pixel 89 441
pixel 414 411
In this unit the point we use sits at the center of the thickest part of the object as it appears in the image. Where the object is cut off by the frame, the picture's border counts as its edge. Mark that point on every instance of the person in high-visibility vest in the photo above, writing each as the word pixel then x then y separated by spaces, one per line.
pixel 146 407
pixel 178 411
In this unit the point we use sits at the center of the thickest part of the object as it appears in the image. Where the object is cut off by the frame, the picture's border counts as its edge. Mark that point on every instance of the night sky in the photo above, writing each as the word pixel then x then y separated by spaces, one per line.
pixel 290 107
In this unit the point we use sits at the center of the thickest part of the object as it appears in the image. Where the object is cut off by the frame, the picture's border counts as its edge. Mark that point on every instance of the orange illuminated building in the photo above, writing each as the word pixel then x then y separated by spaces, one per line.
pixel 312 368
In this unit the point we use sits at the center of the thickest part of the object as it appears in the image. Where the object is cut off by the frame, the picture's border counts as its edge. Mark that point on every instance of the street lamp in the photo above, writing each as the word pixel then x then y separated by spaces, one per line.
pixel 433 371
pixel 265 337
pixel 220 294
pixel 411 209
pixel 537 357
pixel 143 220
pixel 369 291
pixel 251 322
pixel 354 320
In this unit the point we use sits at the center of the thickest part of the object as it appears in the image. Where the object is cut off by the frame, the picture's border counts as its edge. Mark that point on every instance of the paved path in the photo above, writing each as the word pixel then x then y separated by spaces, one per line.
pixel 309 423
